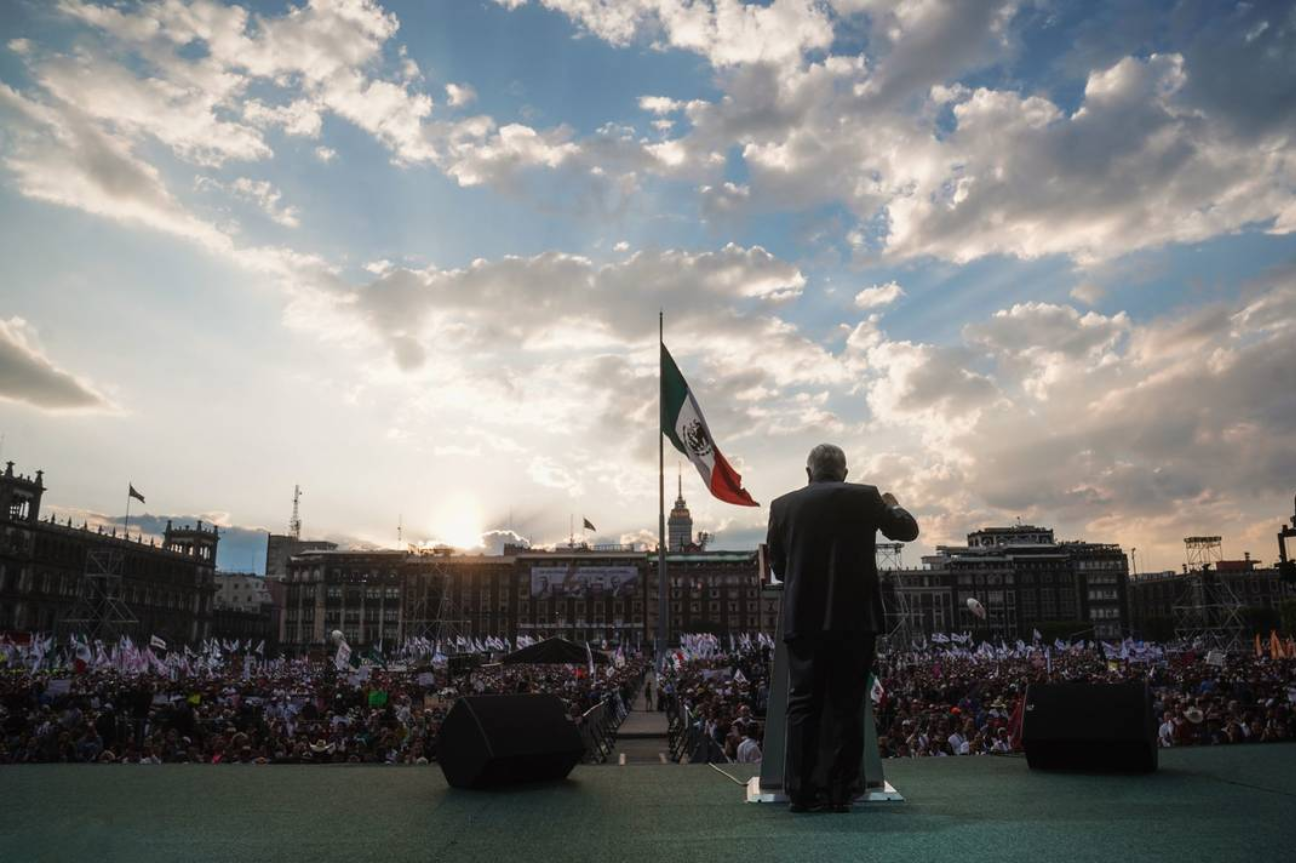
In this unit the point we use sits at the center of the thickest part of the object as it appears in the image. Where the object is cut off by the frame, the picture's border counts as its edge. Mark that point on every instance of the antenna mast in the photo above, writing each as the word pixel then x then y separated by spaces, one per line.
pixel 294 526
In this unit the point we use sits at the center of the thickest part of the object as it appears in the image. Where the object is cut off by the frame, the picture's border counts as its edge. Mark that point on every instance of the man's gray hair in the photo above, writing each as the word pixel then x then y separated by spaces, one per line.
pixel 827 462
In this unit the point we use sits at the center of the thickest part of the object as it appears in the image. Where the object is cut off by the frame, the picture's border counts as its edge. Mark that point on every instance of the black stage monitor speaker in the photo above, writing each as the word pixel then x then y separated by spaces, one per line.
pixel 491 740
pixel 1090 726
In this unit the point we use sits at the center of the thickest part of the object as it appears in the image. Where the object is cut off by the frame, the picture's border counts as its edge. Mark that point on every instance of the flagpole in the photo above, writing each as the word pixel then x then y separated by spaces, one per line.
pixel 661 497
pixel 128 500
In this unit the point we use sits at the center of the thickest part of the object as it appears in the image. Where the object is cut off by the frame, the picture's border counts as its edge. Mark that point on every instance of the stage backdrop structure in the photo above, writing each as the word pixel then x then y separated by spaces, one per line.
pixel 768 786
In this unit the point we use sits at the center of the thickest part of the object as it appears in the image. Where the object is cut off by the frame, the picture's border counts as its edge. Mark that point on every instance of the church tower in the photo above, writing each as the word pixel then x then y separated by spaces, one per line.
pixel 679 527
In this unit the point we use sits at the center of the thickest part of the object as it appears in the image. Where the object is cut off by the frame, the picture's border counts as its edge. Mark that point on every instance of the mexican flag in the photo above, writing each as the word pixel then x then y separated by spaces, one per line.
pixel 683 423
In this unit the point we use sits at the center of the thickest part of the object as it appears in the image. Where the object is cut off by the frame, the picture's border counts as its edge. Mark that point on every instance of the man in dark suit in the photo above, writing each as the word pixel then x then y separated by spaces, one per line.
pixel 822 542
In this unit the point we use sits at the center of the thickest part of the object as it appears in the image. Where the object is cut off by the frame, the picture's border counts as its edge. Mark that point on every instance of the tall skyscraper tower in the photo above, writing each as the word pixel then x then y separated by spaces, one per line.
pixel 679 527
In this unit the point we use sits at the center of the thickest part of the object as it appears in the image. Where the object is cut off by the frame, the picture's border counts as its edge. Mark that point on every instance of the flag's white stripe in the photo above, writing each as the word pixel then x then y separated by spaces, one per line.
pixel 688 414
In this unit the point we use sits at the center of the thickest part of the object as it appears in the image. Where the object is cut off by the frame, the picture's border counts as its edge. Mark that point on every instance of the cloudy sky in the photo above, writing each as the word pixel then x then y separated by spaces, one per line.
pixel 1020 259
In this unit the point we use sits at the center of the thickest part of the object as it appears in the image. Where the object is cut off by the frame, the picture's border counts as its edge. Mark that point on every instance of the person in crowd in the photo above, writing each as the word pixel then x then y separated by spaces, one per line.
pixel 749 751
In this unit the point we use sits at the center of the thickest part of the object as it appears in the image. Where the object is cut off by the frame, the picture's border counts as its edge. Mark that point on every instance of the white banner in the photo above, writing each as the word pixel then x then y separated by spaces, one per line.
pixel 582 581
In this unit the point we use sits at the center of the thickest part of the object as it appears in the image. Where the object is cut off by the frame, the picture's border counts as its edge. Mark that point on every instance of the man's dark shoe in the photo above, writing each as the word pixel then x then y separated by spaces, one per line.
pixel 839 807
pixel 800 805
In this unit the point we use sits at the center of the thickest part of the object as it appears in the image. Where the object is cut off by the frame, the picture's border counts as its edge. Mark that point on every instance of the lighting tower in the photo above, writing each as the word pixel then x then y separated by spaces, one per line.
pixel 1208 612
pixel 1203 551
pixel 889 556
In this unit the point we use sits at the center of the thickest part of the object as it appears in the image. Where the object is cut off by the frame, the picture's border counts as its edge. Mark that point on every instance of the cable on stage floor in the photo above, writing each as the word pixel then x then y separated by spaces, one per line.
pixel 729 776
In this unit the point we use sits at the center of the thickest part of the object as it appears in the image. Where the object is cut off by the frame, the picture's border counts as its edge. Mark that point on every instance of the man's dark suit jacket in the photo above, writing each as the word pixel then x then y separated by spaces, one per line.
pixel 822 544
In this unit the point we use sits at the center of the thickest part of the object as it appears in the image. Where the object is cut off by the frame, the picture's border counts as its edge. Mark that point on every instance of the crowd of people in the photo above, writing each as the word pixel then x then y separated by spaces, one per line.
pixel 717 700
pixel 943 704
pixel 954 701
pixel 936 701
pixel 276 712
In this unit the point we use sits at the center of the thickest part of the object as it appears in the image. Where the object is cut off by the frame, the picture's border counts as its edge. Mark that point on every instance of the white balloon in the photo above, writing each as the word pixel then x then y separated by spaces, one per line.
pixel 976 608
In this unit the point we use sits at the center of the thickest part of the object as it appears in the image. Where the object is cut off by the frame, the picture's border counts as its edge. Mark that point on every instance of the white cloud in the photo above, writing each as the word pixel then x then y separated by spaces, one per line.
pixel 321 55
pixel 659 104
pixel 879 295
pixel 301 117
pixel 1096 423
pixel 29 376
pixel 62 157
pixel 551 474
pixel 1152 156
pixel 183 115
pixel 726 32
pixel 1088 293
pixel 325 154
pixel 478 153
pixel 459 95
pixel 264 194
pixel 1132 168
pixel 935 168
pixel 461 306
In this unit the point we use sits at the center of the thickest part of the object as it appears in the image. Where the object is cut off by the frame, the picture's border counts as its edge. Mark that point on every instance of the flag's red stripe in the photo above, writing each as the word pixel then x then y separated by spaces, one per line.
pixel 726 484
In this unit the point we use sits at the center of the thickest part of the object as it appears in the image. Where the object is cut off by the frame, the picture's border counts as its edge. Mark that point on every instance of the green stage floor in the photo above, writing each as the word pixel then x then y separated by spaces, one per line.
pixel 1230 803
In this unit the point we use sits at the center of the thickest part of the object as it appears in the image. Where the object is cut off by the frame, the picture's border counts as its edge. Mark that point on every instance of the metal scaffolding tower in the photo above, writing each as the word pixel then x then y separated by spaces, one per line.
pixel 434 614
pixel 1203 551
pixel 1208 613
pixel 904 628
pixel 100 612
pixel 890 556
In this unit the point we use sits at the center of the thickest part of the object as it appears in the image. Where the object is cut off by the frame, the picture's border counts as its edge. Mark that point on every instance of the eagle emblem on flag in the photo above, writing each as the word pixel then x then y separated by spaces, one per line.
pixel 697 439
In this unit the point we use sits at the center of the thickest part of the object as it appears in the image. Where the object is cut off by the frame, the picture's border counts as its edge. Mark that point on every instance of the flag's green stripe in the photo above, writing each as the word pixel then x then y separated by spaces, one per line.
pixel 673 393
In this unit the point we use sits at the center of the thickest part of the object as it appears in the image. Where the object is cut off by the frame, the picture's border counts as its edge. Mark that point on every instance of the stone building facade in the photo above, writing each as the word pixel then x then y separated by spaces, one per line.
pixel 1024 579
pixel 583 594
pixel 166 588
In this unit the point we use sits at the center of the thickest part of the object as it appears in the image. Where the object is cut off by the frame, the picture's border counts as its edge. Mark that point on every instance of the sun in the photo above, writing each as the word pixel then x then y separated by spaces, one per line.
pixel 459 524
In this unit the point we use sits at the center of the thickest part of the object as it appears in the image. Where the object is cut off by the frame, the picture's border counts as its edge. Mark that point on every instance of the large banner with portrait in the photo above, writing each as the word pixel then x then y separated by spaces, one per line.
pixel 583 581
